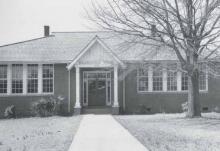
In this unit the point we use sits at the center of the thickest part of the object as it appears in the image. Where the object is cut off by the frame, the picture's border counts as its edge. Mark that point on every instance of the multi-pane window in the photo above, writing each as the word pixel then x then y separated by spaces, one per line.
pixel 152 80
pixel 142 78
pixel 202 77
pixel 172 77
pixel 184 81
pixel 17 78
pixel 48 78
pixel 157 78
pixel 32 78
pixel 3 79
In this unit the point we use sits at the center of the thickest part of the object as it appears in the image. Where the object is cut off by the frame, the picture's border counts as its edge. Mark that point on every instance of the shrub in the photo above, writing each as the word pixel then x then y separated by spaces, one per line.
pixel 44 107
pixel 185 106
pixel 48 107
pixel 10 112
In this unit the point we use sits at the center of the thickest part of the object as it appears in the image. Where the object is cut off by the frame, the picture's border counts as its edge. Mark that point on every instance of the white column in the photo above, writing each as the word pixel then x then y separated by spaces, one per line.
pixel 24 78
pixel 164 79
pixel 77 104
pixel 115 104
pixel 150 78
pixel 40 79
pixel 9 78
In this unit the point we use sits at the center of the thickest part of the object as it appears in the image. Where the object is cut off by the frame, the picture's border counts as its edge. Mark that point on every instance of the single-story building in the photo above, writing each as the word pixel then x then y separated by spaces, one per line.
pixel 97 71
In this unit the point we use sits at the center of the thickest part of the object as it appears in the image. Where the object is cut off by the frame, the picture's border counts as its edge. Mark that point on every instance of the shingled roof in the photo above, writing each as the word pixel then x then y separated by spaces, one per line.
pixel 63 47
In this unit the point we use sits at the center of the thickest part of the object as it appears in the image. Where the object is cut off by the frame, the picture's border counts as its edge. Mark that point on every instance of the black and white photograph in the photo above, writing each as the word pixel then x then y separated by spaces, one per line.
pixel 109 75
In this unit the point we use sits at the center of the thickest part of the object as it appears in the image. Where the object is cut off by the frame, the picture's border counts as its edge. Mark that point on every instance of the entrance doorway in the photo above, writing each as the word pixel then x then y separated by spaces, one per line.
pixel 96 88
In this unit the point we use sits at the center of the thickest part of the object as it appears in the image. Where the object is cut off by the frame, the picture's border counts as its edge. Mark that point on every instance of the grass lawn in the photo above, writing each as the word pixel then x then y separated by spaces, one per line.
pixel 173 132
pixel 38 134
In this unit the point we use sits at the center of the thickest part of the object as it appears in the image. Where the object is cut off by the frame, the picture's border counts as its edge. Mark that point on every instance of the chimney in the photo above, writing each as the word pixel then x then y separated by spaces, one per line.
pixel 153 30
pixel 46 31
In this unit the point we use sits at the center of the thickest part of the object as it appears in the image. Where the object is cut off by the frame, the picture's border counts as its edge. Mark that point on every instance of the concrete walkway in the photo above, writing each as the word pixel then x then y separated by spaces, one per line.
pixel 103 133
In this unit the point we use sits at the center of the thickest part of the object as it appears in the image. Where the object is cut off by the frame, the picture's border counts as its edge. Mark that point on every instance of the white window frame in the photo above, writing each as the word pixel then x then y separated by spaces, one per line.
pixel 161 77
pixel 29 69
pixel 205 80
pixel 172 77
pixel 48 79
pixel 139 77
pixel 25 80
pixel 165 78
pixel 5 79
pixel 22 78
pixel 185 74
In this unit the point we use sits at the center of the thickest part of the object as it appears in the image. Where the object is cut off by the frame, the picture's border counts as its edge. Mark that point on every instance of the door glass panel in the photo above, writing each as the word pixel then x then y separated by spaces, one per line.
pixel 109 92
pixel 101 85
pixel 92 86
pixel 85 92
pixel 108 75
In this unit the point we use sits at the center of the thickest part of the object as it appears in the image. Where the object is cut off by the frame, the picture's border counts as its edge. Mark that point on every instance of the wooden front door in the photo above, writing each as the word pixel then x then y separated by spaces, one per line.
pixel 96 92
pixel 96 88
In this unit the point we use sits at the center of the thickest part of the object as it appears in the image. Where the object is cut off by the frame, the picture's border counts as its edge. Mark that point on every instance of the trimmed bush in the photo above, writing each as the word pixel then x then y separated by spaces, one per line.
pixel 48 106
pixel 10 112
pixel 44 107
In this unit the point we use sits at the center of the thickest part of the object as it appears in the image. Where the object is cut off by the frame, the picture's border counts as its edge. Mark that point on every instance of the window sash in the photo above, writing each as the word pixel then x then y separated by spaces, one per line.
pixel 172 81
pixel 202 81
pixel 157 80
pixel 3 79
pixel 153 80
pixel 172 77
pixel 47 71
pixel 3 86
pixel 142 79
pixel 32 78
pixel 143 83
pixel 48 78
pixel 17 78
pixel 202 76
pixel 26 78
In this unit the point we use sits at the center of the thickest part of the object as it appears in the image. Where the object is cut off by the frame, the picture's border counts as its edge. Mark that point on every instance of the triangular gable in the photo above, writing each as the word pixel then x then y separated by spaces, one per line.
pixel 94 42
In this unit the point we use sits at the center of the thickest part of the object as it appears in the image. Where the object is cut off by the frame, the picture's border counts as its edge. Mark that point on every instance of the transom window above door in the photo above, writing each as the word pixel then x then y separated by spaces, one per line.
pixel 97 75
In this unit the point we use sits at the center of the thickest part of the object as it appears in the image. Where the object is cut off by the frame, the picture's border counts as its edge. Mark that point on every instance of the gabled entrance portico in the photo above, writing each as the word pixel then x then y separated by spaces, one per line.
pixel 96 84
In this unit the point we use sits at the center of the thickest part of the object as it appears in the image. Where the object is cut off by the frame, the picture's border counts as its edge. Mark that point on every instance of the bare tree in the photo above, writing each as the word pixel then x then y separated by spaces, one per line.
pixel 191 28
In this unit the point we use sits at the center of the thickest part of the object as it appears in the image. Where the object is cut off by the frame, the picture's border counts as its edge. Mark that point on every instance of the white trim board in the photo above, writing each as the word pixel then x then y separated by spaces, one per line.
pixel 90 44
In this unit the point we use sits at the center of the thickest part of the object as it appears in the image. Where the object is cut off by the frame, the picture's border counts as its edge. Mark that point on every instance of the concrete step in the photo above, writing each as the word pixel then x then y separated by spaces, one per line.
pixel 97 110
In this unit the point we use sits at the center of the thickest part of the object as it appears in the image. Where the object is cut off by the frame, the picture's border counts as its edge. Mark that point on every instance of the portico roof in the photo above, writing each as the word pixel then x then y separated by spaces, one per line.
pixel 106 49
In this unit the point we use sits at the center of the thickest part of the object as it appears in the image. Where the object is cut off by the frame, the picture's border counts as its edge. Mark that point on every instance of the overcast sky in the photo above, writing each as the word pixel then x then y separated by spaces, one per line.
pixel 24 19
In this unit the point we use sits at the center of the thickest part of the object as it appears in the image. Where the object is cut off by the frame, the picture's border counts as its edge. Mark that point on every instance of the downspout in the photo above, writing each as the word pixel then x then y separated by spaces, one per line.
pixel 124 99
pixel 69 91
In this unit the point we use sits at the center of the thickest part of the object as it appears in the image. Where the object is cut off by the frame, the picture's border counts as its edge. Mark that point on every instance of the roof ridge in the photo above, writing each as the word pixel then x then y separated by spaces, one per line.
pixel 25 41
pixel 80 31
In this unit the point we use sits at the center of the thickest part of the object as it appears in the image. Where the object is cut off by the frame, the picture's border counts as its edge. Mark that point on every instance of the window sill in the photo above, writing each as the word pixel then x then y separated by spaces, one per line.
pixel 167 92
pixel 26 95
